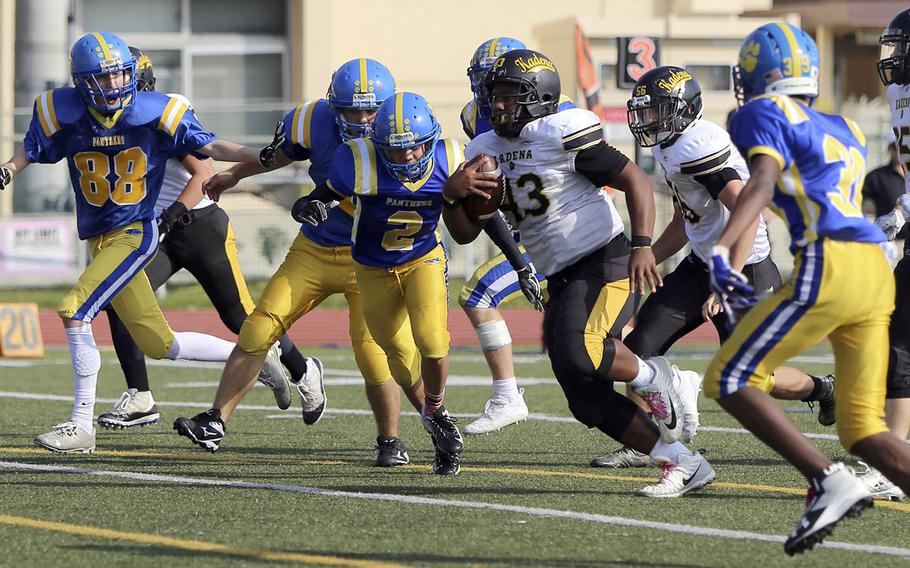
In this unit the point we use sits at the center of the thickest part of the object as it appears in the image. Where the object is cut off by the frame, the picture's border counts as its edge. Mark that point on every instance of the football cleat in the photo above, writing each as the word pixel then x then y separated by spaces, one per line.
pixel 622 458
pixel 444 432
pixel 312 391
pixel 133 409
pixel 275 377
pixel 689 473
pixel 206 429
pixel 391 452
pixel 497 414
pixel 673 399
pixel 879 485
pixel 445 463
pixel 67 438
pixel 831 497
pixel 826 402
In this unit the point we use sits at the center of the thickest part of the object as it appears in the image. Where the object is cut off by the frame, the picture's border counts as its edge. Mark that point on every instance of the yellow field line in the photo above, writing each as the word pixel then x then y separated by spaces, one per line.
pixel 230 458
pixel 193 545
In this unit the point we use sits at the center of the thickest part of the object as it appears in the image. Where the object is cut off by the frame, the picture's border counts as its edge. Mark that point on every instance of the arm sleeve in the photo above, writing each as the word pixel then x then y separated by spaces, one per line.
pixel 341 174
pixel 600 163
pixel 716 181
pixel 761 127
pixel 501 236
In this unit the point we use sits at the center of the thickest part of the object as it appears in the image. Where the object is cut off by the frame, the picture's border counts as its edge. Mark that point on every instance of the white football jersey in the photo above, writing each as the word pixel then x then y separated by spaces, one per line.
pixel 703 149
pixel 176 177
pixel 899 103
pixel 561 215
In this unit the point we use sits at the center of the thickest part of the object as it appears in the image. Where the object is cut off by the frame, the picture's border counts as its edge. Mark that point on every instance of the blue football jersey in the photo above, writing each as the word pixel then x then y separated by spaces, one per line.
pixel 823 163
pixel 116 162
pixel 312 134
pixel 394 222
pixel 475 125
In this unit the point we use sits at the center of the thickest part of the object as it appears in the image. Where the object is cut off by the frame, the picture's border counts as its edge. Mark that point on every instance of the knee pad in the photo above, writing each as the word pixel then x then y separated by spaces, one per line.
pixel 83 351
pixel 258 333
pixel 493 335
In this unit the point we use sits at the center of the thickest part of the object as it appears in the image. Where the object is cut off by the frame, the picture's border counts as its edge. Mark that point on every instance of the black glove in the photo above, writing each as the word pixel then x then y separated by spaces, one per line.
pixel 5 177
pixel 310 211
pixel 170 217
pixel 530 287
pixel 268 156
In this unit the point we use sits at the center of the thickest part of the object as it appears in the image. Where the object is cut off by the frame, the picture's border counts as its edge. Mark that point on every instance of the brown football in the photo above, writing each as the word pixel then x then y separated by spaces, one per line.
pixel 476 207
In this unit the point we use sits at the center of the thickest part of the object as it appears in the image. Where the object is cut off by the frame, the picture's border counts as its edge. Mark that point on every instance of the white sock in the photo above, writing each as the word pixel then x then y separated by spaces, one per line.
pixel 645 375
pixel 662 451
pixel 86 363
pixel 192 346
pixel 506 390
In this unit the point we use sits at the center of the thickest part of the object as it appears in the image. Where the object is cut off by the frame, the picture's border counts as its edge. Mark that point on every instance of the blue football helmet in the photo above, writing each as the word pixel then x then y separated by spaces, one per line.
pixel 776 58
pixel 406 121
pixel 484 56
pixel 361 84
pixel 95 56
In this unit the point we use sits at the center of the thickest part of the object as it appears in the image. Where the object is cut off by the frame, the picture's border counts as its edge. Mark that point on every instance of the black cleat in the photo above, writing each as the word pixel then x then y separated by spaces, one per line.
pixel 825 399
pixel 392 452
pixel 206 429
pixel 831 497
pixel 444 432
pixel 446 463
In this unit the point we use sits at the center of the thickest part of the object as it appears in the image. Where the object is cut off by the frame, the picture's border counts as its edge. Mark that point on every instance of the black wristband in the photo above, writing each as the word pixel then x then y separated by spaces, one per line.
pixel 640 241
pixel 451 205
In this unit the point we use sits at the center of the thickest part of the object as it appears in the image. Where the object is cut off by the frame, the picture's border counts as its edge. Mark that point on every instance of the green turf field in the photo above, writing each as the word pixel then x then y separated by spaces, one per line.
pixel 279 491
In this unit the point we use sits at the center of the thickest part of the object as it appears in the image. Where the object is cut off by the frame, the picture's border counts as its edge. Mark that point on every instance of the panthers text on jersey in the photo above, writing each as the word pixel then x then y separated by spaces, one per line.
pixel 312 134
pixel 899 103
pixel 697 166
pixel 562 216
pixel 474 125
pixel 116 162
pixel 395 221
pixel 823 161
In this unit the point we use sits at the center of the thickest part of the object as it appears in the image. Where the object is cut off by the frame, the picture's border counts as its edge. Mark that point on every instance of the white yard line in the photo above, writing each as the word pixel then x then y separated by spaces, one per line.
pixel 457 504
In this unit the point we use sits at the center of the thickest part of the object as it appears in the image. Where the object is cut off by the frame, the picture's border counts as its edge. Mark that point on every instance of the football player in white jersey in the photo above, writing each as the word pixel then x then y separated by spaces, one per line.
pixel 705 174
pixel 894 71
pixel 196 235
pixel 555 165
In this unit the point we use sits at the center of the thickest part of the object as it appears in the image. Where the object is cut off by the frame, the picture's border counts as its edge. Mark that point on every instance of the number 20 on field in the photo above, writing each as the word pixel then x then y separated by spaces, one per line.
pixel 20 332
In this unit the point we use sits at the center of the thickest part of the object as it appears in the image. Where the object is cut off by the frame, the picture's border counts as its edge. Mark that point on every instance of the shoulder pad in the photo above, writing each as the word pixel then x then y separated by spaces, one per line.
pixel 58 108
pixel 312 121
pixel 469 118
pixel 573 129
pixel 702 149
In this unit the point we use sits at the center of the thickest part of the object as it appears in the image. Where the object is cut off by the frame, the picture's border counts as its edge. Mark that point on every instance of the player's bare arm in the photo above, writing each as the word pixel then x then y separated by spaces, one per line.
pixel 217 184
pixel 640 200
pixel 200 170
pixel 13 166
pixel 753 199
pixel 672 239
pixel 739 252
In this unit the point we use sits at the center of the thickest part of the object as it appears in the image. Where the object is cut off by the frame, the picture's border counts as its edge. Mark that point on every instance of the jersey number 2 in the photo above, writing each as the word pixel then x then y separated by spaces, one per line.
pixel 129 166
pixel 401 239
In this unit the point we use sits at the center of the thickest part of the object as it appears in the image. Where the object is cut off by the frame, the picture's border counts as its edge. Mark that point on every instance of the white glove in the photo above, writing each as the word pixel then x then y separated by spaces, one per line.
pixel 904 202
pixel 891 223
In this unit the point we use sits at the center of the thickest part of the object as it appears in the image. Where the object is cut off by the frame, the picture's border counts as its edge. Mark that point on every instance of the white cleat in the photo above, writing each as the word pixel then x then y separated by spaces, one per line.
pixel 879 485
pixel 622 458
pixel 67 438
pixel 133 409
pixel 275 377
pixel 673 399
pixel 312 391
pixel 498 414
pixel 690 473
pixel 831 497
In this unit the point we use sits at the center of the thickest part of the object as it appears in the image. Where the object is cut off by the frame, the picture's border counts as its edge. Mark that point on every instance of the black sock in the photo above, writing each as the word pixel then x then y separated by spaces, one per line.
pixel 291 358
pixel 817 388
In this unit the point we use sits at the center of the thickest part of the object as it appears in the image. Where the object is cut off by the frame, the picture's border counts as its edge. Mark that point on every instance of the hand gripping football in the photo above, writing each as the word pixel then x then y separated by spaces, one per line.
pixel 476 207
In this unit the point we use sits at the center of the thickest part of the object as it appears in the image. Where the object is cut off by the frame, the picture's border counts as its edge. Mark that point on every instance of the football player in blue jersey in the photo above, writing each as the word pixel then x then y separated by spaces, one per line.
pixel 809 166
pixel 396 177
pixel 116 142
pixel 501 278
pixel 318 265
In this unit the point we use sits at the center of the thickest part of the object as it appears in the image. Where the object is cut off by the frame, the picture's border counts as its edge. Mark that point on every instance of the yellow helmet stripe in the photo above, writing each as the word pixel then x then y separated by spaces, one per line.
pixel 399 113
pixel 493 47
pixel 364 87
pixel 797 63
pixel 103 43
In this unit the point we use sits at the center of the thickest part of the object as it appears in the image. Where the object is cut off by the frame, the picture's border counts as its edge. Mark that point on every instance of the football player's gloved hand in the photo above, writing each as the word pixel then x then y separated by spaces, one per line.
pixel 729 285
pixel 310 211
pixel 890 223
pixel 6 177
pixel 170 217
pixel 530 287
pixel 268 156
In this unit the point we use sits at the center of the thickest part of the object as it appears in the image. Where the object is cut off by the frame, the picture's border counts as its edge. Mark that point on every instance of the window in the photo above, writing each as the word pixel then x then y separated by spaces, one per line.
pixel 166 65
pixel 712 77
pixel 148 16
pixel 263 17
pixel 607 76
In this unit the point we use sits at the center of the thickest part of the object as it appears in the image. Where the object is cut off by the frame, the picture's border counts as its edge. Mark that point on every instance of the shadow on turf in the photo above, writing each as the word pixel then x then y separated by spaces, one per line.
pixel 419 558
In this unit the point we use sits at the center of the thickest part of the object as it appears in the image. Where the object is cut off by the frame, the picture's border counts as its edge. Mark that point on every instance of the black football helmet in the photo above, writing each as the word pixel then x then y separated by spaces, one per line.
pixel 538 89
pixel 145 74
pixel 894 61
pixel 665 102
